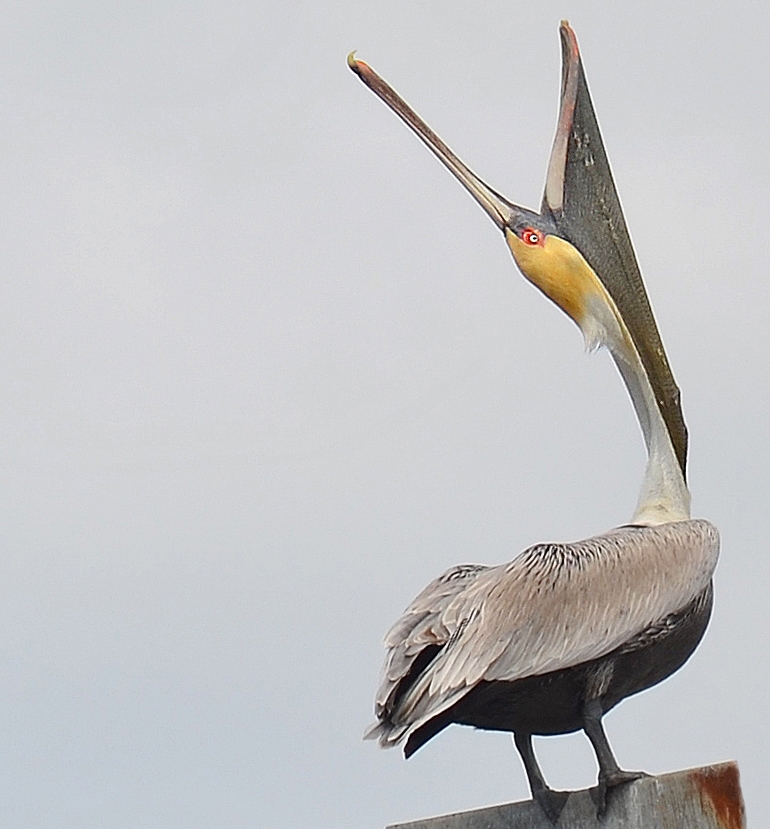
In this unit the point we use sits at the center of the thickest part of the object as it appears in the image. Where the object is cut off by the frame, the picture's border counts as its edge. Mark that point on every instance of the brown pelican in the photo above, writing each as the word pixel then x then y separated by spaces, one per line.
pixel 551 641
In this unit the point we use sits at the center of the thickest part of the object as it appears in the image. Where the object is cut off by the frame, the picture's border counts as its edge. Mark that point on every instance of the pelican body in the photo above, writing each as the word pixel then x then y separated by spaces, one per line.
pixel 551 641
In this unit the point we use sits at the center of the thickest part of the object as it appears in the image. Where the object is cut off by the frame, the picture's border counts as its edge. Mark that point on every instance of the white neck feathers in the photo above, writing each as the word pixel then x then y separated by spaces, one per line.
pixel 664 496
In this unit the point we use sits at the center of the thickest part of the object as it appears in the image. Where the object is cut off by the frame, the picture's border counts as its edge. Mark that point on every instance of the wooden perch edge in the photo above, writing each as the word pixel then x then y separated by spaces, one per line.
pixel 704 798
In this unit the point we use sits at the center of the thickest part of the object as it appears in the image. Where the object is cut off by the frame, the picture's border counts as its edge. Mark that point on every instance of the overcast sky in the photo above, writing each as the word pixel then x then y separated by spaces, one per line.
pixel 265 370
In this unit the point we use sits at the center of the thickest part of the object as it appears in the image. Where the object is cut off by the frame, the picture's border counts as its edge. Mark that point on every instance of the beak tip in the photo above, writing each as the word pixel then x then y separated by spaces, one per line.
pixel 358 66
pixel 569 38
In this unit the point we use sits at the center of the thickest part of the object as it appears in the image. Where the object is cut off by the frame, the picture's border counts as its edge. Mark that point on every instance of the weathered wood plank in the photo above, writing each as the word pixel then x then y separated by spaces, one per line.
pixel 704 798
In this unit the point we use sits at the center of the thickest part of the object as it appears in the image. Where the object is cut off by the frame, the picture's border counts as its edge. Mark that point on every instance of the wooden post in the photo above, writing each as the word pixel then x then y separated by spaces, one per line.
pixel 705 798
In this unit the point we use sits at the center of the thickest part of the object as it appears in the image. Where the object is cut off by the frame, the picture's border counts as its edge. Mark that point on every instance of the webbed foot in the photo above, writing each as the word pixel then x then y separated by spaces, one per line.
pixel 610 781
pixel 551 802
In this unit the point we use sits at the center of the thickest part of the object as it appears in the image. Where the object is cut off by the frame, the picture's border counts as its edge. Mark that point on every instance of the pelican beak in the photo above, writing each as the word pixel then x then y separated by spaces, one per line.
pixel 583 204
pixel 498 208
pixel 583 248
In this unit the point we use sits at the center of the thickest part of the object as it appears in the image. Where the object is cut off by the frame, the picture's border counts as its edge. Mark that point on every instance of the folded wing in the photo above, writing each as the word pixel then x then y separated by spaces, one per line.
pixel 553 607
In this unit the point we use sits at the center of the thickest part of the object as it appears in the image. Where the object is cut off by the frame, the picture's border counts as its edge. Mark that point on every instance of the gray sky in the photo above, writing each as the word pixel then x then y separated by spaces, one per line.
pixel 266 369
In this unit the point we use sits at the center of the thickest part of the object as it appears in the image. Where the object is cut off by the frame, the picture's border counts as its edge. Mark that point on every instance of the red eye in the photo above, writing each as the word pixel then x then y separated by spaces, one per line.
pixel 531 237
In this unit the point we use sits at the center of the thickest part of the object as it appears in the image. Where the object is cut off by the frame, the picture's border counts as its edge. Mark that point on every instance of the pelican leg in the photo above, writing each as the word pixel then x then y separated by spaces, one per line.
pixel 610 773
pixel 550 801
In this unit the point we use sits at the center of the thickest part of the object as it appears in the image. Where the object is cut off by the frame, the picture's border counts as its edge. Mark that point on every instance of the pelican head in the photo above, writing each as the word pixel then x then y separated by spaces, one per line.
pixel 578 252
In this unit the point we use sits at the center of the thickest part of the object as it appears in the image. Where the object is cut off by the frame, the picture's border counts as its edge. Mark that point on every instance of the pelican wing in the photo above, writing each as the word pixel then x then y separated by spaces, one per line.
pixel 556 606
pixel 581 197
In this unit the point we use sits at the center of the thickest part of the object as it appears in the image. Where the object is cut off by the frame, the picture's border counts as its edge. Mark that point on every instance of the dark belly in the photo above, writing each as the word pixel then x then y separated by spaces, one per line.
pixel 552 703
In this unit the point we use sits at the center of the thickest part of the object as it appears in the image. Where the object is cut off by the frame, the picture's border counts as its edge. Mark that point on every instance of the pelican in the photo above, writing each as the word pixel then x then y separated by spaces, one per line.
pixel 551 641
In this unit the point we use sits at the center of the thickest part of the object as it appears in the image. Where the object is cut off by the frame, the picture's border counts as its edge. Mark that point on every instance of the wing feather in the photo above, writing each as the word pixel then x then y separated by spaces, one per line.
pixel 422 630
